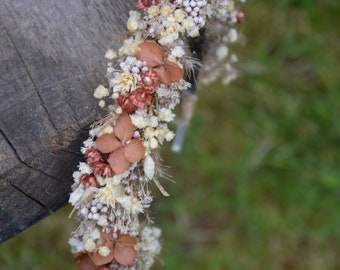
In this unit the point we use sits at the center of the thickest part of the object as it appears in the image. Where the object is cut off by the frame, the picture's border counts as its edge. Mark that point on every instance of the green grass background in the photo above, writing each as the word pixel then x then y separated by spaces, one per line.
pixel 258 181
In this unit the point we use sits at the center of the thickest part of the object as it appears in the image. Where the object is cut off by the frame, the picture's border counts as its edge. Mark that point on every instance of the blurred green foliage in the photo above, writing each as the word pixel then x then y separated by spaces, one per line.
pixel 258 181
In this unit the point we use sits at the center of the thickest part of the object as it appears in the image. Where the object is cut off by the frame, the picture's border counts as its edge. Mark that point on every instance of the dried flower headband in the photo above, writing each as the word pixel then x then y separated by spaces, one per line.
pixel 145 76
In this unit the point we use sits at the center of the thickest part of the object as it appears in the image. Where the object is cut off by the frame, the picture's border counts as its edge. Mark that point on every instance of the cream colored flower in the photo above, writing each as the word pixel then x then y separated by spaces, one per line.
pixel 153 11
pixel 90 245
pixel 138 121
pixel 173 28
pixel 104 251
pixel 166 115
pixel 153 143
pixel 101 92
pixel 132 205
pixel 101 103
pixel 110 54
pixel 110 194
pixel 166 10
pixel 194 31
pixel 130 47
pixel 179 15
pixel 132 24
pixel 125 82
pixel 188 24
pixel 149 132
pixel 106 129
pixel 169 136
pixel 159 132
pixel 167 39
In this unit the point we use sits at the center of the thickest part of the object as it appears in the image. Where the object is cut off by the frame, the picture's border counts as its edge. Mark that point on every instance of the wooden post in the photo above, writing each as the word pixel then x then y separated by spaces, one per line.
pixel 51 59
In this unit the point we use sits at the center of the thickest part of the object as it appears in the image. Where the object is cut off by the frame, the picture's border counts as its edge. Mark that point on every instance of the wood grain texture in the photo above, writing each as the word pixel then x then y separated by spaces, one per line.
pixel 51 59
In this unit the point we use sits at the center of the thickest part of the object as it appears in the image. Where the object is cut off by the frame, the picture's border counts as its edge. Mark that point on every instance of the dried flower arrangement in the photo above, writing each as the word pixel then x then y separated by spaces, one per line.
pixel 145 78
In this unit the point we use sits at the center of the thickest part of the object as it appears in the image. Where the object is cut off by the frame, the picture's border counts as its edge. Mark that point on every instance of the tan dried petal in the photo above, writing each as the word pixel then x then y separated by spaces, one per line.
pixel 99 260
pixel 124 252
pixel 85 262
pixel 108 236
pixel 151 52
pixel 126 240
pixel 175 71
pixel 134 151
pixel 170 72
pixel 118 161
pixel 123 128
pixel 107 143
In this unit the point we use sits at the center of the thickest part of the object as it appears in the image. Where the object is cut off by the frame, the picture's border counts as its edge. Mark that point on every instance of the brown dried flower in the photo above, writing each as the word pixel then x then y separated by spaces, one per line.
pixel 240 16
pixel 101 168
pixel 88 180
pixel 142 4
pixel 141 97
pixel 123 149
pixel 92 155
pixel 167 71
pixel 120 250
pixel 149 80
pixel 126 104
pixel 134 100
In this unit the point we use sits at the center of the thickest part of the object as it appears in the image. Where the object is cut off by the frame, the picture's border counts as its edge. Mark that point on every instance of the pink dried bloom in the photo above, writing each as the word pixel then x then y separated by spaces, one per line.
pixel 140 98
pixel 142 4
pixel 88 180
pixel 137 99
pixel 92 155
pixel 101 168
pixel 149 80
pixel 126 104
pixel 240 16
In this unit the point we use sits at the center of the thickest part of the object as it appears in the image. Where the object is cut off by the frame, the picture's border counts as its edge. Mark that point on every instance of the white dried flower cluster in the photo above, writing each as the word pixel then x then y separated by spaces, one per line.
pixel 218 61
pixel 145 78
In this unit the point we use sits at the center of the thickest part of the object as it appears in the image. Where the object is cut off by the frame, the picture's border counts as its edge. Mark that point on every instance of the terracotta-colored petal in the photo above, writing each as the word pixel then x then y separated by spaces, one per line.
pixel 85 263
pixel 123 128
pixel 175 71
pixel 126 240
pixel 170 72
pixel 162 74
pixel 124 252
pixel 107 143
pixel 134 151
pixel 108 236
pixel 118 161
pixel 98 259
pixel 77 257
pixel 150 52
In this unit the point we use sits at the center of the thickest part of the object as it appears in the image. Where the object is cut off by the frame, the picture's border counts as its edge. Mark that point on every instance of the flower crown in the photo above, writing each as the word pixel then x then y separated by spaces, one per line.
pixel 145 78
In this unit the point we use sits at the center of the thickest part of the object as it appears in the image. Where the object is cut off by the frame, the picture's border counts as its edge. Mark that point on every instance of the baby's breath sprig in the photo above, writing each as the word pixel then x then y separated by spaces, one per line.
pixel 145 77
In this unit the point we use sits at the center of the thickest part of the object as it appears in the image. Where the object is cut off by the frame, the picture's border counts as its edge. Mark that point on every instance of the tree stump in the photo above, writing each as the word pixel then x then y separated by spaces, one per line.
pixel 51 59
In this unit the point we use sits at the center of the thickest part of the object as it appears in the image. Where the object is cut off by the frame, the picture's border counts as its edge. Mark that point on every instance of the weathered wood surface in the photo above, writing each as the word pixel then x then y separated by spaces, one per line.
pixel 51 59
